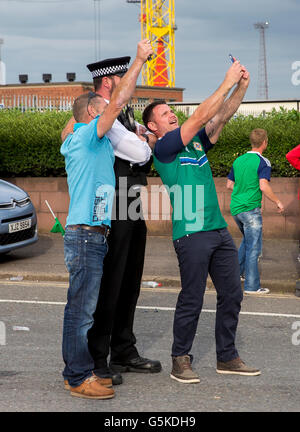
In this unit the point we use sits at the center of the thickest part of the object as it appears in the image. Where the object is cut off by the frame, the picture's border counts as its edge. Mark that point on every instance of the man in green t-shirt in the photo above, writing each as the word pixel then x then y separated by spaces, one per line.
pixel 201 240
pixel 248 179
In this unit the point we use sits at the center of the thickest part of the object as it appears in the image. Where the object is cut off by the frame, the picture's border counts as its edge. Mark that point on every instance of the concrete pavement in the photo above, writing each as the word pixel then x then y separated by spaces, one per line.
pixel 44 260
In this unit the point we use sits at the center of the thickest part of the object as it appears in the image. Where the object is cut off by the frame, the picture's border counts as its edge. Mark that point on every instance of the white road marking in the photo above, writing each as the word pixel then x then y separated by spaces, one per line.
pixel 213 311
pixel 161 308
pixel 33 302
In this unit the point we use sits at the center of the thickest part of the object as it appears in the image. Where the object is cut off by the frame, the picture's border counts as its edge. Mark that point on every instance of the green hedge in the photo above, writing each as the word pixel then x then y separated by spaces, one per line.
pixel 30 142
pixel 283 129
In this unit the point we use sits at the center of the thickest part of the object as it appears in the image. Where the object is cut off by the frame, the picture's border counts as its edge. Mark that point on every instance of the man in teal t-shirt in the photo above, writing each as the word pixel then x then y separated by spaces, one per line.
pixel 201 240
pixel 248 179
pixel 89 162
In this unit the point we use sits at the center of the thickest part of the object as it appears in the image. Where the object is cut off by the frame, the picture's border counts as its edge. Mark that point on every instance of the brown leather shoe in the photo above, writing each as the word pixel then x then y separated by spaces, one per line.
pixel 236 366
pixel 106 382
pixel 92 389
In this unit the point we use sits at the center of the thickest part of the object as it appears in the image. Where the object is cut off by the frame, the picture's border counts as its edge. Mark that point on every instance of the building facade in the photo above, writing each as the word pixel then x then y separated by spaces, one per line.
pixel 62 95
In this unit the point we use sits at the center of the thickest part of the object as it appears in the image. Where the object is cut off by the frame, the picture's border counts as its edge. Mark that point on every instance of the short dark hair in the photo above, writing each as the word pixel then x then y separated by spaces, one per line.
pixel 97 83
pixel 147 114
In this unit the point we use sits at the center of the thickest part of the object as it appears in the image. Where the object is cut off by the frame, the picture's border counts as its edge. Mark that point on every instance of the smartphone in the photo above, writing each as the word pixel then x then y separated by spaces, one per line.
pixel 232 59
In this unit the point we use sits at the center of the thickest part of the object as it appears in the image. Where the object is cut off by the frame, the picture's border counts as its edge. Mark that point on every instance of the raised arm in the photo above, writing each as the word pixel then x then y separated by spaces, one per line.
pixel 230 106
pixel 209 108
pixel 124 89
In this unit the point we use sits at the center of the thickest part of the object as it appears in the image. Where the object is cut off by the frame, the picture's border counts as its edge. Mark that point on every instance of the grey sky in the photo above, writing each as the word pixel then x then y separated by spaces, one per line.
pixel 58 36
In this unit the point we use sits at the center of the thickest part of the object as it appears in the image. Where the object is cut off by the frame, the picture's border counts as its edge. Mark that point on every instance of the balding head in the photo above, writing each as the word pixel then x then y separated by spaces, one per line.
pixel 85 102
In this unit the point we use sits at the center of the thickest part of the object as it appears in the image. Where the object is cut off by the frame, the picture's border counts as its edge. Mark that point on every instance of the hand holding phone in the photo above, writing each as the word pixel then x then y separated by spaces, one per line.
pixel 232 59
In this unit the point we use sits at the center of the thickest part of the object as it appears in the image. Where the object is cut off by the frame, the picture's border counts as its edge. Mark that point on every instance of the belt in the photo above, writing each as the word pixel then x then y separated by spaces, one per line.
pixel 102 229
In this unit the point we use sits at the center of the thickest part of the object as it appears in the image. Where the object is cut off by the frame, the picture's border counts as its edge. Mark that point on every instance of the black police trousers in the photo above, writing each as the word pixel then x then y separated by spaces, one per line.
pixel 112 331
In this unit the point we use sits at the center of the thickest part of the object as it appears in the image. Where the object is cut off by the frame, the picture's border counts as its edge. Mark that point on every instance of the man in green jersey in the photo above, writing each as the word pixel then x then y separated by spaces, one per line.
pixel 201 240
pixel 248 179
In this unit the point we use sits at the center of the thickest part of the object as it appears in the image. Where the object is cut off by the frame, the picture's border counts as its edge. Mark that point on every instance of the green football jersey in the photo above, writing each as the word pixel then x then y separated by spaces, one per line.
pixel 189 183
pixel 246 172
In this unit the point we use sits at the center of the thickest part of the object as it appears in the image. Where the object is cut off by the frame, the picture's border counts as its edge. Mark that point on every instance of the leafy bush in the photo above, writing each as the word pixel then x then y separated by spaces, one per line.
pixel 30 142
pixel 283 128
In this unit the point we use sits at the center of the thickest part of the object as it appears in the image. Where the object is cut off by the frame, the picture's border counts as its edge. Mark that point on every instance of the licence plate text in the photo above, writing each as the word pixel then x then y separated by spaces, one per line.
pixel 19 226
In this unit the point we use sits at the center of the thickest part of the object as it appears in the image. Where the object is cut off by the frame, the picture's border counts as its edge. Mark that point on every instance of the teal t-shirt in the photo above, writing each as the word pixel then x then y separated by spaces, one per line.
pixel 89 164
pixel 246 172
pixel 187 176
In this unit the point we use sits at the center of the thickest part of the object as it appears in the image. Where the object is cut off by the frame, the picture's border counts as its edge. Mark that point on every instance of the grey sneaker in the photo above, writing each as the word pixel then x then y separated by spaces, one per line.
pixel 236 366
pixel 182 370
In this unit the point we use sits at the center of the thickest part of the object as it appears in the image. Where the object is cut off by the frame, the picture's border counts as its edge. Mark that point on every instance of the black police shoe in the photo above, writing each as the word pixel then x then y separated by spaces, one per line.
pixel 107 372
pixel 138 364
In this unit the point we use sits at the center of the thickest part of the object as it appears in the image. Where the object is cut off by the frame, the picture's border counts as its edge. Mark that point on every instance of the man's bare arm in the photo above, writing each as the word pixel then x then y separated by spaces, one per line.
pixel 124 89
pixel 209 108
pixel 68 129
pixel 230 106
pixel 230 184
pixel 267 191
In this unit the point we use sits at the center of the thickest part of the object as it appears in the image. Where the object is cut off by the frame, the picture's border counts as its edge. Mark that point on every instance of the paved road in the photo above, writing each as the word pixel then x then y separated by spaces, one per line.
pixel 31 363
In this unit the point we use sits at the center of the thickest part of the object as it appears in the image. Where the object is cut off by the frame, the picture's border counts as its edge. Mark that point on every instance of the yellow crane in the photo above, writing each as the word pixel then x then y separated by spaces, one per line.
pixel 158 25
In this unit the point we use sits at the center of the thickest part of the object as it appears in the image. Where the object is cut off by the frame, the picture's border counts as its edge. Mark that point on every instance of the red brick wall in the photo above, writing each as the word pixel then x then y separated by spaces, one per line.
pixel 74 89
pixel 47 90
pixel 55 191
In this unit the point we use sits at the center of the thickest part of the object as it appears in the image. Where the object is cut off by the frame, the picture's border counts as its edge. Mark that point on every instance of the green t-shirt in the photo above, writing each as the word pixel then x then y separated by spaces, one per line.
pixel 246 172
pixel 187 176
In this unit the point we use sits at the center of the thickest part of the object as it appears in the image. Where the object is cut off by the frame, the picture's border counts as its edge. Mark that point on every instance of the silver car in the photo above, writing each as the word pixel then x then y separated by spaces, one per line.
pixel 18 221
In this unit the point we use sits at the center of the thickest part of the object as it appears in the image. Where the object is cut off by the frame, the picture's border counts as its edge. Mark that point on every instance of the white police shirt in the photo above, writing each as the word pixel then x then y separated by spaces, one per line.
pixel 127 145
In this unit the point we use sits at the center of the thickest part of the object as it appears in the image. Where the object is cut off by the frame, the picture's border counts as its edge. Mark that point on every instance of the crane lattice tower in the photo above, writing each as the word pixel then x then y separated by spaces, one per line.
pixel 158 25
pixel 262 84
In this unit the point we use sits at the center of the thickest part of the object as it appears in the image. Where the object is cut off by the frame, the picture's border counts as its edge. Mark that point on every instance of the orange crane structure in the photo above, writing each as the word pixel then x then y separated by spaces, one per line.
pixel 157 20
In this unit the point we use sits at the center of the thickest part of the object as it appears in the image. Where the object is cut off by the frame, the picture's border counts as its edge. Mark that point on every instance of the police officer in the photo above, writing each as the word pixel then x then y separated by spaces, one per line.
pixel 123 266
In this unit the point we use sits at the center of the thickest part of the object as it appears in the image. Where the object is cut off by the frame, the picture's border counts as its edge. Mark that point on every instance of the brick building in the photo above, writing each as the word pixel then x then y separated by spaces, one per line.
pixel 62 95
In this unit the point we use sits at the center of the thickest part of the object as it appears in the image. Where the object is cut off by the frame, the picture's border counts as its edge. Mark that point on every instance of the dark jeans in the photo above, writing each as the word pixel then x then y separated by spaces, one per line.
pixel 204 252
pixel 84 255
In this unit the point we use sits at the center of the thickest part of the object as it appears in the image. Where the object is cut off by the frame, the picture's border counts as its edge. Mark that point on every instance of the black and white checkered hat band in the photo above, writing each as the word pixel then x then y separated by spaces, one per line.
pixel 110 70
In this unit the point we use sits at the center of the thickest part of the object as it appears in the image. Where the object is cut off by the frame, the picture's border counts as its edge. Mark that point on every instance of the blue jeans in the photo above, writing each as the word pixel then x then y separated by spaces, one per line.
pixel 250 225
pixel 84 254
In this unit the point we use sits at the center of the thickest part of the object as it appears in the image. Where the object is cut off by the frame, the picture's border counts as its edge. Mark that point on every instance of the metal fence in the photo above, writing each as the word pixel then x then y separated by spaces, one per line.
pixel 65 103
pixel 246 108
pixel 35 102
